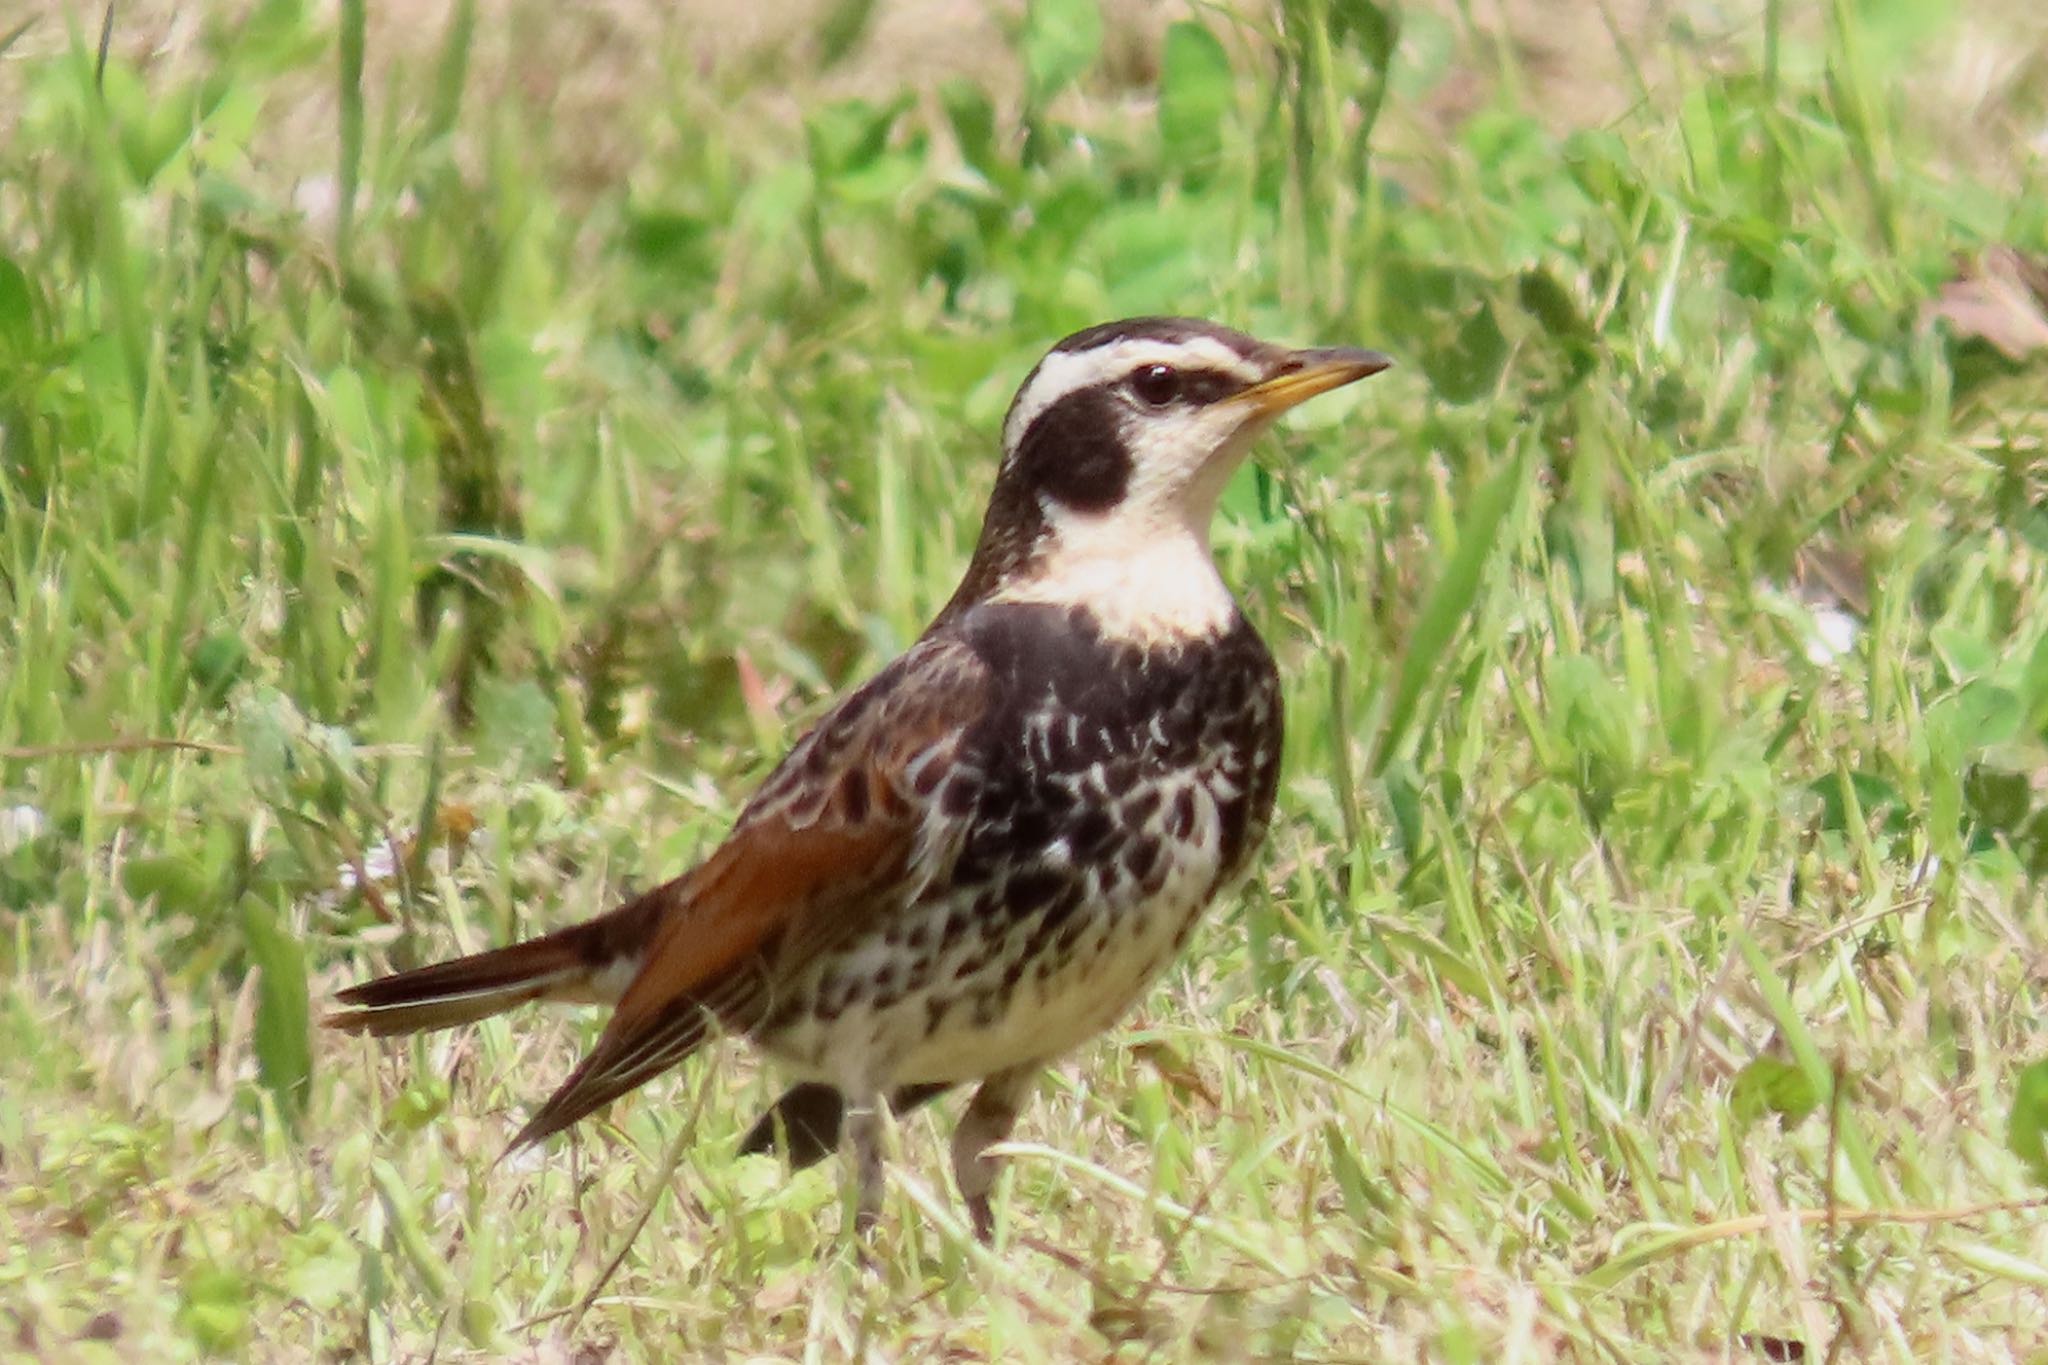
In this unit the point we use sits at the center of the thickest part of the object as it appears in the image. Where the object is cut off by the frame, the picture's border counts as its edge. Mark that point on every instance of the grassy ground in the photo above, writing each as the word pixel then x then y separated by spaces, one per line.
pixel 436 481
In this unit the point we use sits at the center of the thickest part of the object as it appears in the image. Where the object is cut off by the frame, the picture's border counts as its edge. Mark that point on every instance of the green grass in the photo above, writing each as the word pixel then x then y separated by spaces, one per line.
pixel 1626 978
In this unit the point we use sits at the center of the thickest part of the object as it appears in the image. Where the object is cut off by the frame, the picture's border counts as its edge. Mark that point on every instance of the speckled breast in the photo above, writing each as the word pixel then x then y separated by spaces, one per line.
pixel 1105 798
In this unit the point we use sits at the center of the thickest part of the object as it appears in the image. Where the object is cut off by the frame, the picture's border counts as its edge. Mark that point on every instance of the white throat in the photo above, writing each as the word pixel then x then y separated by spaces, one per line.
pixel 1143 567
pixel 1147 588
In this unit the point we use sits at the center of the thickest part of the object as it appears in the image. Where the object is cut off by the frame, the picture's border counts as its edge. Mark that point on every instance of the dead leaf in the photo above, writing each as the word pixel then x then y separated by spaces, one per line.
pixel 762 699
pixel 2001 299
pixel 1179 1075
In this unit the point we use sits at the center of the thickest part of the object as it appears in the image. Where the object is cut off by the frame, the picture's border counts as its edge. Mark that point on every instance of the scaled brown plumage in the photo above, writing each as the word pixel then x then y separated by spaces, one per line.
pixel 983 856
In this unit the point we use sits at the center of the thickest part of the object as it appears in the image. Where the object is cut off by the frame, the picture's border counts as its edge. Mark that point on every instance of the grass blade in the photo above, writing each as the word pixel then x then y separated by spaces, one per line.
pixel 1449 602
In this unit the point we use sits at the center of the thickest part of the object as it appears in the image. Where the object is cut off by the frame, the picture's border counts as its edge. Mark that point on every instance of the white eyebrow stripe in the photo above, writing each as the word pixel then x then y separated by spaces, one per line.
pixel 1064 372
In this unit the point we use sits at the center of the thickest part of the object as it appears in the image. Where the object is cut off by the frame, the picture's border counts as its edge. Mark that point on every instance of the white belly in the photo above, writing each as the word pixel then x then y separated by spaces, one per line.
pixel 951 991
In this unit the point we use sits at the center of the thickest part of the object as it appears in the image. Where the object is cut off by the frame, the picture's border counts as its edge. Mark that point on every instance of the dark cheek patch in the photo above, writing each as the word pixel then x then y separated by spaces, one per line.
pixel 1074 451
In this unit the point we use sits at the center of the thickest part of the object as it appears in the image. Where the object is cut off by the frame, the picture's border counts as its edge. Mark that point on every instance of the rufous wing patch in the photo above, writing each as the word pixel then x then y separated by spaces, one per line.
pixel 757 890
pixel 825 847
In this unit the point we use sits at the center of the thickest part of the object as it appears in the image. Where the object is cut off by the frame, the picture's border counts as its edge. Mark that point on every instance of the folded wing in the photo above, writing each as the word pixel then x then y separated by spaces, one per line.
pixel 847 830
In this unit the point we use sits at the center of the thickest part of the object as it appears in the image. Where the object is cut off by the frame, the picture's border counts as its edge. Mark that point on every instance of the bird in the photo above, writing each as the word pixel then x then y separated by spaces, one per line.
pixel 983 856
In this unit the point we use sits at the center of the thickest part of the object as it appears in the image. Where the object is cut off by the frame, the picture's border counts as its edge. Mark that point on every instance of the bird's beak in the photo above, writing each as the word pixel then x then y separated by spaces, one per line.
pixel 1301 375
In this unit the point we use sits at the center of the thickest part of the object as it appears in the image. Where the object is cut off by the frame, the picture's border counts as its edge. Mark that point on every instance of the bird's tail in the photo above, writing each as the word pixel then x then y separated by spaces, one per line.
pixel 589 963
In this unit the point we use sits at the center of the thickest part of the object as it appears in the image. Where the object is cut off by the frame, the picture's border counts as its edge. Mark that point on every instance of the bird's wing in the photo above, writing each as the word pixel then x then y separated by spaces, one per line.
pixel 849 826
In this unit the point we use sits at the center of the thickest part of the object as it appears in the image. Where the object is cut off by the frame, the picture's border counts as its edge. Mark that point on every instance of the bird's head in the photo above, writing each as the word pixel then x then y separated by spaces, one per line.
pixel 1115 452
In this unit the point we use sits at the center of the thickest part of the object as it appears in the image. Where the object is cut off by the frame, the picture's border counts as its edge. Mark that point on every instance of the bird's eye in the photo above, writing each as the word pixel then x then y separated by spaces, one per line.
pixel 1156 385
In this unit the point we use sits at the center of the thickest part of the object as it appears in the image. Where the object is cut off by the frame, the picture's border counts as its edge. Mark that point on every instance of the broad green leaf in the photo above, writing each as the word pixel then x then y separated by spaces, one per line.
pixel 1858 797
pixel 218 661
pixel 284 1051
pixel 1444 314
pixel 324 1269
pixel 676 245
pixel 2031 844
pixel 1591 713
pixel 420 1103
pixel 2034 686
pixel 178 883
pixel 1978 715
pixel 1062 39
pixel 17 307
pixel 1373 28
pixel 1563 325
pixel 515 723
pixel 842 27
pixel 215 1309
pixel 973 120
pixel 2026 1128
pixel 1770 1085
pixel 1998 797
pixel 1966 653
pixel 1466 367
pixel 278 36
pixel 849 136
pixel 266 727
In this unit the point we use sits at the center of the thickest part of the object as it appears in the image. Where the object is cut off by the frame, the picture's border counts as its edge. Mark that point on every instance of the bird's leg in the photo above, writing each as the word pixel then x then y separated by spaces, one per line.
pixel 988 1120
pixel 867 1125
